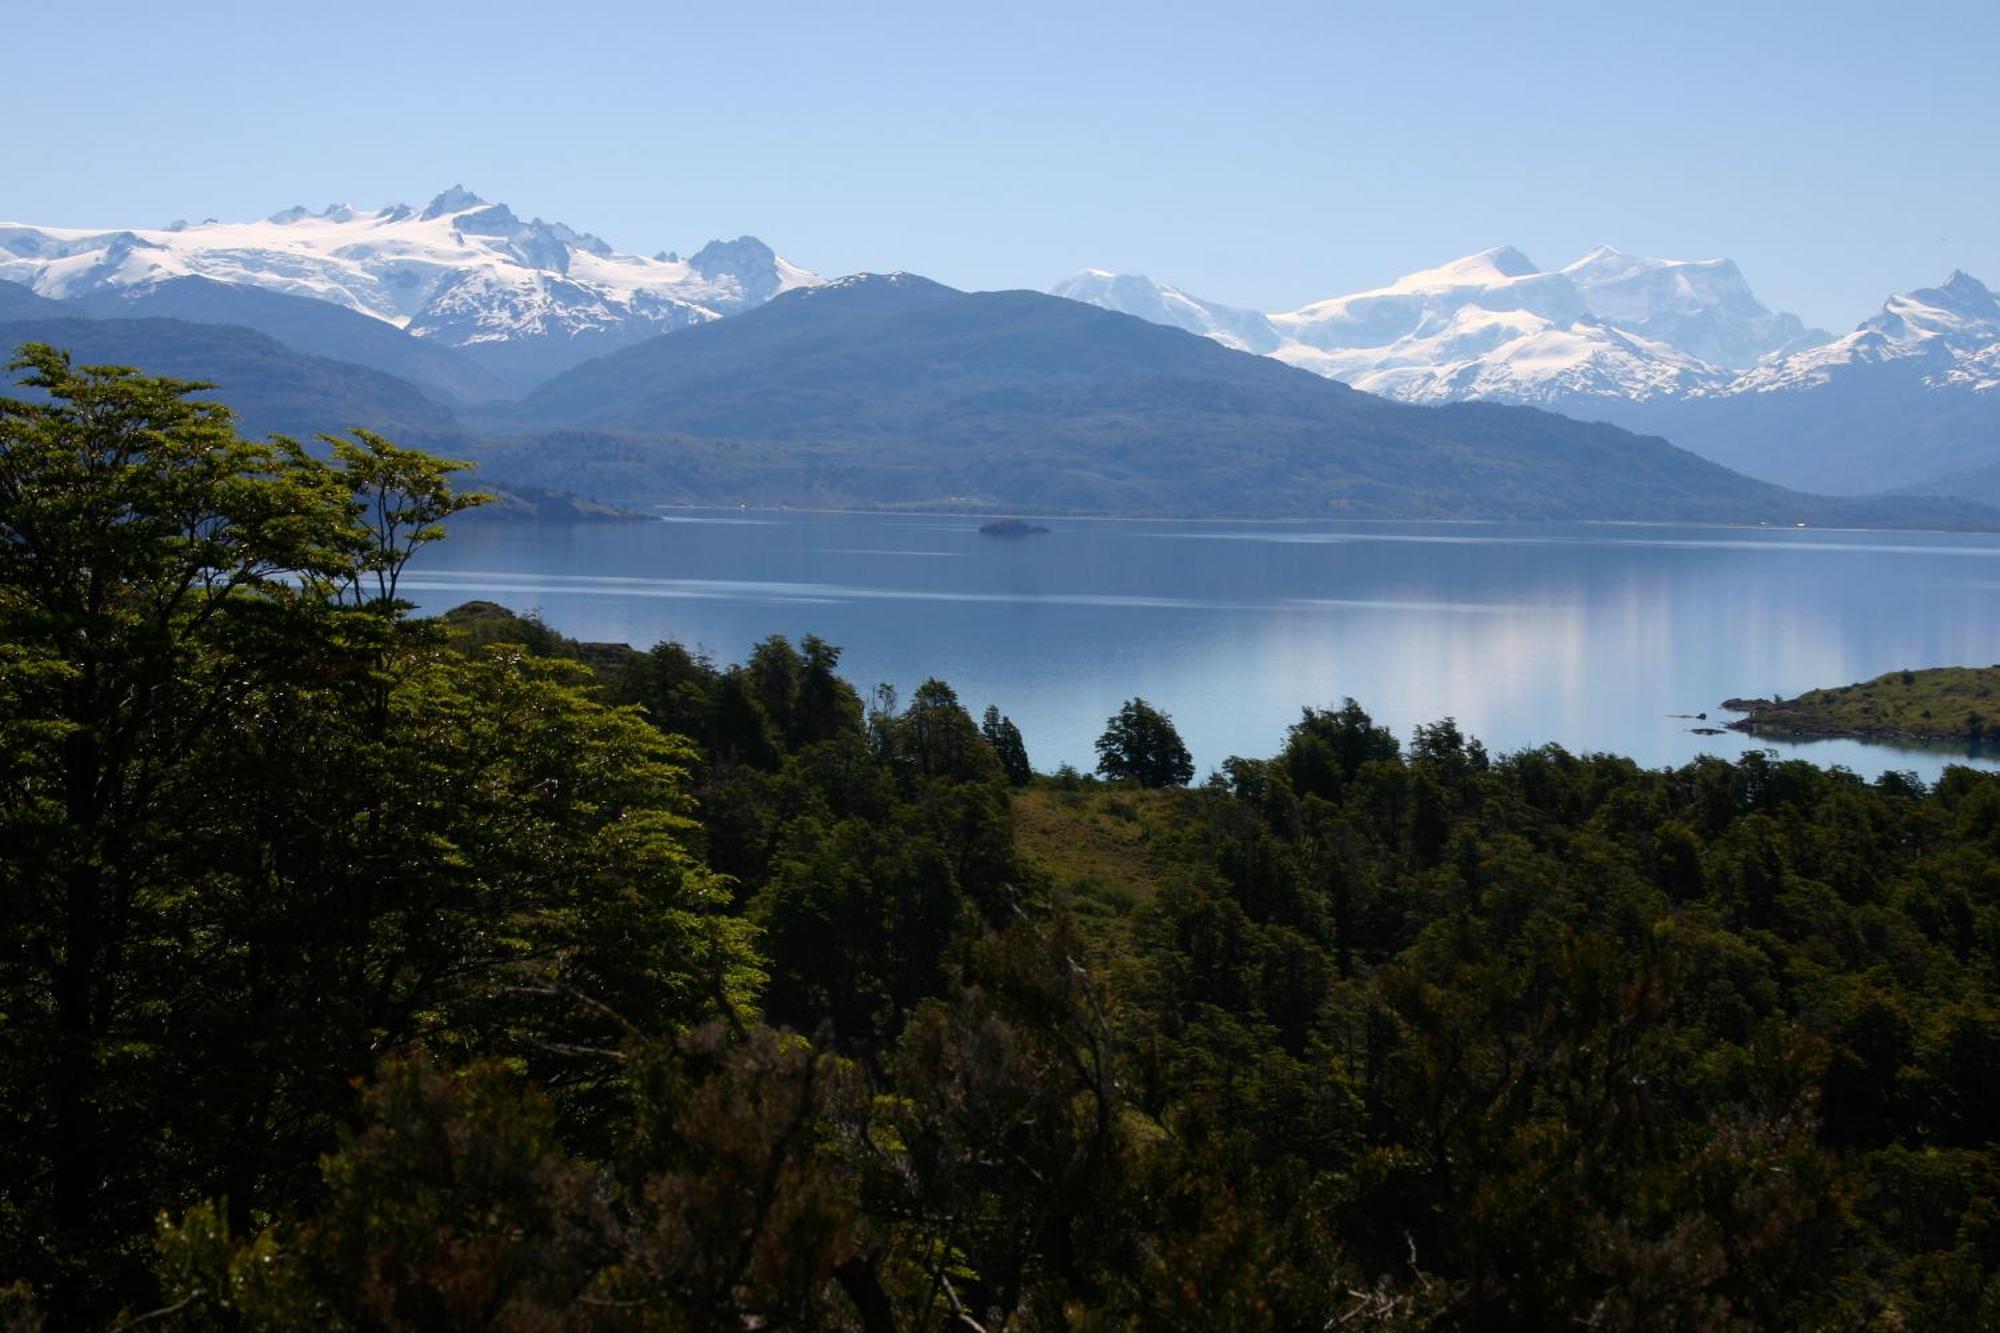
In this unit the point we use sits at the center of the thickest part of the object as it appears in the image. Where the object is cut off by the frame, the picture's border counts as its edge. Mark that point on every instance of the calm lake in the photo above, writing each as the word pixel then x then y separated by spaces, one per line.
pixel 1592 636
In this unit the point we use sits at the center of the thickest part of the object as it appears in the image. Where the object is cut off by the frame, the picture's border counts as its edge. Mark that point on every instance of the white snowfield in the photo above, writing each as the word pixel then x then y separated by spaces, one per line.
pixel 1609 326
pixel 460 270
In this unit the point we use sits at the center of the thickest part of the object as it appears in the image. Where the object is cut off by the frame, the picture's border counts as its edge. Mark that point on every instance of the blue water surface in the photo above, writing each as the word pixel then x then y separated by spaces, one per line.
pixel 1596 637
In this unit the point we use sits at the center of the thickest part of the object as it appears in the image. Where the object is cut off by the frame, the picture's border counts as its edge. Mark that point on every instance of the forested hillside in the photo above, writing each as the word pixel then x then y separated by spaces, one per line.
pixel 895 390
pixel 273 388
pixel 362 971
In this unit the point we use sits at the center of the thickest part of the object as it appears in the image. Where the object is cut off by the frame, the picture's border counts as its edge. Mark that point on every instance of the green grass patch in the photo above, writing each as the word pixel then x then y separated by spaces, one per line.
pixel 1940 703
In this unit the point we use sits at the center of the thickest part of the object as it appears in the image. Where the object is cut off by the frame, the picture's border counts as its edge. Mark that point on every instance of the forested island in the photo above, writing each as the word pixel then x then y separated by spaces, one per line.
pixel 1011 527
pixel 1960 704
pixel 368 971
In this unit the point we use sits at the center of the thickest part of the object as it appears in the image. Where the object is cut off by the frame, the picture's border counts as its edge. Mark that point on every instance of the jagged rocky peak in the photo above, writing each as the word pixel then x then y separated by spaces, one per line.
pixel 582 240
pixel 1964 293
pixel 1957 309
pixel 536 243
pixel 746 262
pixel 455 200
pixel 492 220
pixel 286 217
pixel 742 256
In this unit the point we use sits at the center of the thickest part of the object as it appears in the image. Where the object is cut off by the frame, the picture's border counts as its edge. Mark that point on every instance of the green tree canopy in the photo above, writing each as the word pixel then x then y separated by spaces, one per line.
pixel 1005 738
pixel 1140 745
pixel 261 827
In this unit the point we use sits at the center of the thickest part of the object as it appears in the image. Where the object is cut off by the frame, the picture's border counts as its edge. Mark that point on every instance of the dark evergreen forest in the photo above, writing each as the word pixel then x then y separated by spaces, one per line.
pixel 373 972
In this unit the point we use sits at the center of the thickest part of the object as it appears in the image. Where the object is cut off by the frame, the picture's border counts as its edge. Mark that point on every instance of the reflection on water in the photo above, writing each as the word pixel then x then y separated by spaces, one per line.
pixel 1591 636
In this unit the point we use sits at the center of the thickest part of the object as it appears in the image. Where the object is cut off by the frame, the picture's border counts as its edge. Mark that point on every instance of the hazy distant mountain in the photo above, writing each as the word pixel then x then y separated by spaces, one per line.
pixel 1910 397
pixel 318 328
pixel 273 388
pixel 522 299
pixel 894 389
pixel 276 390
pixel 17 302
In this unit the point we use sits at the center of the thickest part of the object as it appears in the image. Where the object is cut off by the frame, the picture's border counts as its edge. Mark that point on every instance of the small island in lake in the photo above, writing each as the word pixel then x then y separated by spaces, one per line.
pixel 1938 704
pixel 1011 527
pixel 513 502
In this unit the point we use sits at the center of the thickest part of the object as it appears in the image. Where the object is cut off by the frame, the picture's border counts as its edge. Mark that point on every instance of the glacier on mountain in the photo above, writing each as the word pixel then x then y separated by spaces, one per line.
pixel 465 272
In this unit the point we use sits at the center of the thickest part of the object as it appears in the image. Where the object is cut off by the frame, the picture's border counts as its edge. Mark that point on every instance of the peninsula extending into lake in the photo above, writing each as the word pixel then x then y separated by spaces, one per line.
pixel 1938 704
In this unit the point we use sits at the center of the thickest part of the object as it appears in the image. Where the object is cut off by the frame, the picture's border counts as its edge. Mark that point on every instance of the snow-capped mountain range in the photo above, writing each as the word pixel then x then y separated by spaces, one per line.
pixel 1677 347
pixel 472 303
pixel 1496 326
pixel 527 298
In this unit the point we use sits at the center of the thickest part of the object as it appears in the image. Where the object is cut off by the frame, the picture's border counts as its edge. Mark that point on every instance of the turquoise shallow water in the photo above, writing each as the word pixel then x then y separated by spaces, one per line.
pixel 1592 636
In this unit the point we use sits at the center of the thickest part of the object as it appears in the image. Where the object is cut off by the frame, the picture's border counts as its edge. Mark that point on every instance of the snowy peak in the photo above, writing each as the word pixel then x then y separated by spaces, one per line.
pixel 1960 303
pixel 1947 337
pixel 1483 269
pixel 455 200
pixel 1701 306
pixel 744 272
pixel 1421 304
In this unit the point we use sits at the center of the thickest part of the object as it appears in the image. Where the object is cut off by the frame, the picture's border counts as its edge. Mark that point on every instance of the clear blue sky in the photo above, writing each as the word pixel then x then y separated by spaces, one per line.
pixel 1265 155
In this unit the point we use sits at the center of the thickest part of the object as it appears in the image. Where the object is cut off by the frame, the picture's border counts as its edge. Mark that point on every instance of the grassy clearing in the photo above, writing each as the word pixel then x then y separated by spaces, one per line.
pixel 1099 847
pixel 1942 703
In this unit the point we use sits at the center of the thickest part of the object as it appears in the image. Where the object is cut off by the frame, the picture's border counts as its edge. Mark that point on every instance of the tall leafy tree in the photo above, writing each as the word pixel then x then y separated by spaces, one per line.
pixel 261 827
pixel 144 549
pixel 1005 738
pixel 1140 745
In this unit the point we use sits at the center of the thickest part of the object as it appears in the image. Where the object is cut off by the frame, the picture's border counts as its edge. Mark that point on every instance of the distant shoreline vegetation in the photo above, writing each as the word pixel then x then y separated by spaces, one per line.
pixel 1011 527
pixel 1960 704
pixel 960 508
